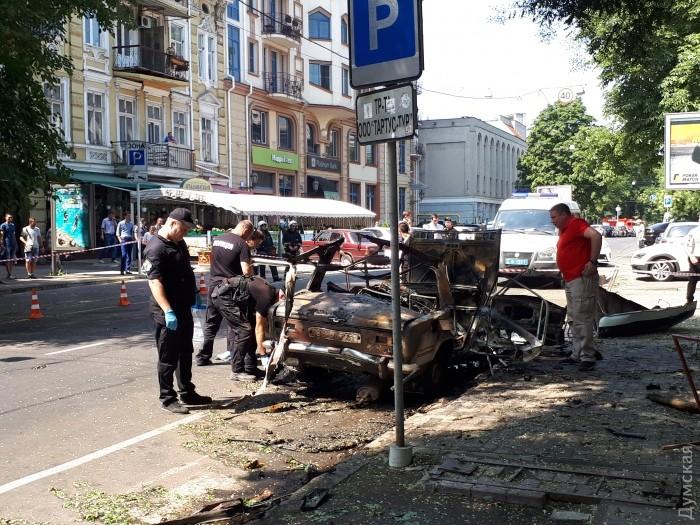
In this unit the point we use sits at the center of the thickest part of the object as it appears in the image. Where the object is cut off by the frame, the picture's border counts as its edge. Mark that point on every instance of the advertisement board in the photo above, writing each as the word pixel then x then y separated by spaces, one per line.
pixel 682 151
pixel 71 218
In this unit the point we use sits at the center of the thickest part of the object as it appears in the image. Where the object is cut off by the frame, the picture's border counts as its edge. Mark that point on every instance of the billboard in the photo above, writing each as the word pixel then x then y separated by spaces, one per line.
pixel 682 151
pixel 71 218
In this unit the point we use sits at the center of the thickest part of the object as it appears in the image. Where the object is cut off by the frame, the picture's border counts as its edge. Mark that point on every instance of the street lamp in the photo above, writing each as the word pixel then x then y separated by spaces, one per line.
pixel 617 210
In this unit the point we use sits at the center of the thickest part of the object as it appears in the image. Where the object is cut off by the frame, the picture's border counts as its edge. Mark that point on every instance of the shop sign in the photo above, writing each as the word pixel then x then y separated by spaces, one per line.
pixel 196 184
pixel 71 218
pixel 275 159
pixel 316 162
pixel 101 156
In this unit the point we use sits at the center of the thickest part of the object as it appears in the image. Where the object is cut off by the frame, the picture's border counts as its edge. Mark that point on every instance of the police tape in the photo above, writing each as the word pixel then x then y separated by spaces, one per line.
pixel 62 253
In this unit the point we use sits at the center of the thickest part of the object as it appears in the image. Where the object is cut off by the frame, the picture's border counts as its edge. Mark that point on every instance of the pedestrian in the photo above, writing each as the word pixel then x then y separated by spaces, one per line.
pixel 173 292
pixel 125 235
pixel 404 232
pixel 291 240
pixel 148 236
pixel 449 229
pixel 692 248
pixel 267 249
pixel 230 259
pixel 407 217
pixel 10 237
pixel 31 238
pixel 169 138
pixel 434 223
pixel 108 231
pixel 140 231
pixel 578 249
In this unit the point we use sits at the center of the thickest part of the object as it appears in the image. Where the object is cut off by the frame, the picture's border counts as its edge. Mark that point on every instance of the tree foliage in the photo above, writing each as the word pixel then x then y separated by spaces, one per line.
pixel 32 33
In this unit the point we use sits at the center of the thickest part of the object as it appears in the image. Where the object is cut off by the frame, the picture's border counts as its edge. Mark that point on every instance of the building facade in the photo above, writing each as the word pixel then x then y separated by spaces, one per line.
pixel 468 166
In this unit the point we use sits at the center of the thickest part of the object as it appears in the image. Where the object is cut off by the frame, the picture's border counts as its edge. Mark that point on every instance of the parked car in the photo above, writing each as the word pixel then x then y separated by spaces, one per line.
pixel 651 233
pixel 604 229
pixel 676 232
pixel 659 261
pixel 354 246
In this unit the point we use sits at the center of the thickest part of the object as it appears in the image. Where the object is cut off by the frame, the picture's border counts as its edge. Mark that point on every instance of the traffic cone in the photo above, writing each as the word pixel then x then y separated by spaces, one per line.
pixel 123 298
pixel 202 287
pixel 35 312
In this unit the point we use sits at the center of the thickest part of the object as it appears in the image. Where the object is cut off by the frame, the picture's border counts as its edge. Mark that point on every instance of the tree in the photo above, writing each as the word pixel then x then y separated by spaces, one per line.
pixel 548 159
pixel 32 34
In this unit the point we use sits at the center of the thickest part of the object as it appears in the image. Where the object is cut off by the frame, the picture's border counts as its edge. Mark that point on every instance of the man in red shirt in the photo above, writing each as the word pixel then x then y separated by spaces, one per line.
pixel 578 249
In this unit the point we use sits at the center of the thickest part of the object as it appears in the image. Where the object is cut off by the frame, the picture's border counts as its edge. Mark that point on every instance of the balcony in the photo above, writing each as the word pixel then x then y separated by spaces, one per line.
pixel 158 155
pixel 150 65
pixel 283 85
pixel 282 29
pixel 174 8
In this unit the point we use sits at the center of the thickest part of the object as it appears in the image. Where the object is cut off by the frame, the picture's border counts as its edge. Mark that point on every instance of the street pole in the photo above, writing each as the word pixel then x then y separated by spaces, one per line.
pixel 399 454
pixel 138 221
pixel 52 225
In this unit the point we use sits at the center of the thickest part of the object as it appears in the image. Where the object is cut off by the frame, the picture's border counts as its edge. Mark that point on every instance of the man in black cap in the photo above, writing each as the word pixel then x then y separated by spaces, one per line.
pixel 173 292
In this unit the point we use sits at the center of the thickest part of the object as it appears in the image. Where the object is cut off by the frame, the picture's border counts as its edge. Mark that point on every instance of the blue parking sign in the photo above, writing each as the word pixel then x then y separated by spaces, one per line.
pixel 386 41
pixel 136 157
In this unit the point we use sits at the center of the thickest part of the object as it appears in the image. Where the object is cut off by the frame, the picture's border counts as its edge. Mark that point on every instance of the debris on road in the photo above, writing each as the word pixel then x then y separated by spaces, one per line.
pixel 674 402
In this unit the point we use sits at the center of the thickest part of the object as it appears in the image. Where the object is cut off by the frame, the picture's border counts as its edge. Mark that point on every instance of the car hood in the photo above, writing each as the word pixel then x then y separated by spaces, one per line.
pixel 526 242
pixel 346 310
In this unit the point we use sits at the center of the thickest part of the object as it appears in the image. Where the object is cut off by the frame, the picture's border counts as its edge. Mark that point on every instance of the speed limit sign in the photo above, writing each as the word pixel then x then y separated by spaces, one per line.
pixel 565 95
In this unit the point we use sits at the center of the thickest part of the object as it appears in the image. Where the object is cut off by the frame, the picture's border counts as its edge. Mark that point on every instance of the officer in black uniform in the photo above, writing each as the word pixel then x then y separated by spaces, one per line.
pixel 173 292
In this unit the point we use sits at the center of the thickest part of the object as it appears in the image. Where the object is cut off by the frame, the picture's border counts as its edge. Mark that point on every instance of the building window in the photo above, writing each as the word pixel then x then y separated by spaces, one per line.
pixel 320 74
pixel 311 145
pixel 370 159
pixel 234 52
pixel 285 129
pixel 95 118
pixel 332 150
pixel 127 119
pixel 346 82
pixel 177 38
pixel 207 140
pixel 319 26
pixel 370 193
pixel 92 34
pixel 355 193
pixel 287 185
pixel 263 181
pixel 206 44
pixel 233 10
pixel 344 30
pixel 353 148
pixel 402 199
pixel 258 127
pixel 155 122
pixel 402 157
pixel 55 97
pixel 253 57
pixel 180 127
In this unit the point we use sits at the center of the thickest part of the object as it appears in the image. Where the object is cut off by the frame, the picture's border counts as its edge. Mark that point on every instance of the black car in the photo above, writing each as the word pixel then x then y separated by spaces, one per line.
pixel 651 233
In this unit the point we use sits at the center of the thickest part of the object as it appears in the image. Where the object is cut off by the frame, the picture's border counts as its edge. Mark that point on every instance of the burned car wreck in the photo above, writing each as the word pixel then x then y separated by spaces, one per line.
pixel 449 310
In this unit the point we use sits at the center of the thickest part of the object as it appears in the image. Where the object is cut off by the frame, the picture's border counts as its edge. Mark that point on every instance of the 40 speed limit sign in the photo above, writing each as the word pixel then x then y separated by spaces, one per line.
pixel 387 114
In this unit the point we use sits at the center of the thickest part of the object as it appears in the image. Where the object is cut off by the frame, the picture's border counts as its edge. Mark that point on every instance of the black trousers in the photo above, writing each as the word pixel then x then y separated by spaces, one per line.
pixel 692 283
pixel 211 327
pixel 174 356
pixel 260 270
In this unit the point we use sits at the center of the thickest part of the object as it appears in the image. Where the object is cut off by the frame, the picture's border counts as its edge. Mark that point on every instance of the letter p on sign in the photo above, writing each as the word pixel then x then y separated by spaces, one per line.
pixel 375 24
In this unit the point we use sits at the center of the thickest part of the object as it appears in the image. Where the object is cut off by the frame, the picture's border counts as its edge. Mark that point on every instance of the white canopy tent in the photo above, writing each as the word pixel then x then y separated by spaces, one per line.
pixel 261 205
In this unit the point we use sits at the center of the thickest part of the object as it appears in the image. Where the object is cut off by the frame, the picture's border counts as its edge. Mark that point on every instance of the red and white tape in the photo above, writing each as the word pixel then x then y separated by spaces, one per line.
pixel 62 253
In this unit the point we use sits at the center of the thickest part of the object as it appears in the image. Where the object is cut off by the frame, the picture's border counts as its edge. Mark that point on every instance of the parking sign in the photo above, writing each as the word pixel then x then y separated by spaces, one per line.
pixel 668 201
pixel 386 41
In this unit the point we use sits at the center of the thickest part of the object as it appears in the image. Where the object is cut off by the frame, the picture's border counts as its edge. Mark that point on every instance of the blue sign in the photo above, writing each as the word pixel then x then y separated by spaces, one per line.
pixel 386 41
pixel 136 157
pixel 668 201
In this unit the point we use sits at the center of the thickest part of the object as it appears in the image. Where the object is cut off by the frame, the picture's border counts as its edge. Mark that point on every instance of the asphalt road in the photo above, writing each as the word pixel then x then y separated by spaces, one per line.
pixel 80 394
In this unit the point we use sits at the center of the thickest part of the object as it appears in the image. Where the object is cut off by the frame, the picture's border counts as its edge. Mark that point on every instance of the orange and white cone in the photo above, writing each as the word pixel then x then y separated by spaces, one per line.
pixel 123 298
pixel 203 287
pixel 35 312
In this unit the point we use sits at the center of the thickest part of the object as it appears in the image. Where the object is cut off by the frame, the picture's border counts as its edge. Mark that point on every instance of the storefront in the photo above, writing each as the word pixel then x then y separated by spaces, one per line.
pixel 274 172
pixel 326 183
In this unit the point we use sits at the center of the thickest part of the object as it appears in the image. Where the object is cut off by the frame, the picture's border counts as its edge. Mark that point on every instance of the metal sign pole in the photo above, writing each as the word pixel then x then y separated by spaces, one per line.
pixel 52 225
pixel 399 454
pixel 138 223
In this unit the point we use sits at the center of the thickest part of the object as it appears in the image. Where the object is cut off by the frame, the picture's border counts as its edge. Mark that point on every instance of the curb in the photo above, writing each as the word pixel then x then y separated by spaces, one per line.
pixel 7 290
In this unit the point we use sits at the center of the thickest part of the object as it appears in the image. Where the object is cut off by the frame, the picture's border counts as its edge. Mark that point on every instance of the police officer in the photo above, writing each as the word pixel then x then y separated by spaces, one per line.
pixel 173 292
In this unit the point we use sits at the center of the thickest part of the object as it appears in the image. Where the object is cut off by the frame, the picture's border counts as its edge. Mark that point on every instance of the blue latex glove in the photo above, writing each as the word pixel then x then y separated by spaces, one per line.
pixel 170 320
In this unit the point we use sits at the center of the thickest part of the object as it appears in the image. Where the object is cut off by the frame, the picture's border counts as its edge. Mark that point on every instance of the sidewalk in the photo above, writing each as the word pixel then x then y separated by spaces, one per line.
pixel 537 443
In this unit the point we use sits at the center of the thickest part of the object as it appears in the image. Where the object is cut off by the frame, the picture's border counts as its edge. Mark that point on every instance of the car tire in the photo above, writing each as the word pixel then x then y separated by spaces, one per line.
pixel 434 377
pixel 346 259
pixel 661 270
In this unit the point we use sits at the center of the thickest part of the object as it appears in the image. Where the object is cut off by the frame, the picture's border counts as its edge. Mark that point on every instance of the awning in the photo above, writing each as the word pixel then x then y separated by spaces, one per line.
pixel 110 181
pixel 250 204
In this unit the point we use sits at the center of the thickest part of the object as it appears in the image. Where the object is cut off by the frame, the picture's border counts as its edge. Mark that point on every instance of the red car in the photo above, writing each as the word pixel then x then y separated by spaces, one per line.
pixel 354 245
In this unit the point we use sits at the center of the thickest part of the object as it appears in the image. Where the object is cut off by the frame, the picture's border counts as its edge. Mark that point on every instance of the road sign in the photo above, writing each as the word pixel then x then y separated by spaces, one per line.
pixel 386 41
pixel 652 197
pixel 565 95
pixel 387 114
pixel 668 201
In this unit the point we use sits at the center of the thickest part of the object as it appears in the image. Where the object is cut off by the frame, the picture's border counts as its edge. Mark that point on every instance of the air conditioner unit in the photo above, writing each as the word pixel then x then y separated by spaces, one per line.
pixel 146 22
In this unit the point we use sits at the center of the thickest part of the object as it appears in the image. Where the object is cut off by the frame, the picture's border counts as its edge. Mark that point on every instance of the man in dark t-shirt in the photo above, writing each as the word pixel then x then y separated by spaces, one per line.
pixel 173 292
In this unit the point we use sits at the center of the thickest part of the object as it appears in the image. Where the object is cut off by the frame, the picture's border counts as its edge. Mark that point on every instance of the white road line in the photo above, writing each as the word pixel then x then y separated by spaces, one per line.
pixel 77 348
pixel 7 487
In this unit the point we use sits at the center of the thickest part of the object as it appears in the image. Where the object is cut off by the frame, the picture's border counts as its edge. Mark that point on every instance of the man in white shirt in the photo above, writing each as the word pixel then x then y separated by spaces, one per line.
pixel 434 225
pixel 126 232
pixel 109 238
pixel 31 238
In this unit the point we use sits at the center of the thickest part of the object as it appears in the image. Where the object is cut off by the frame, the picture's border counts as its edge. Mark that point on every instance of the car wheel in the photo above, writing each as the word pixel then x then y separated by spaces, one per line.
pixel 434 377
pixel 346 259
pixel 662 270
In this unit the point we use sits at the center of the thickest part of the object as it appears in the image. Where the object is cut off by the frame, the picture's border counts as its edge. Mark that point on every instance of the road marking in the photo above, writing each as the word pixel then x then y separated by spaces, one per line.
pixel 76 348
pixel 7 487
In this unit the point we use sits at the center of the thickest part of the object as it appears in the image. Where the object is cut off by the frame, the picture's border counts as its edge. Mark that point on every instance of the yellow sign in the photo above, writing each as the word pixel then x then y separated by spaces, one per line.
pixel 197 184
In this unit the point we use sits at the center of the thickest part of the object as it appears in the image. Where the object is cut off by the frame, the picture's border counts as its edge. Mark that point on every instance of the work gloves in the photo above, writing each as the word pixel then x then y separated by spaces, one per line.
pixel 170 320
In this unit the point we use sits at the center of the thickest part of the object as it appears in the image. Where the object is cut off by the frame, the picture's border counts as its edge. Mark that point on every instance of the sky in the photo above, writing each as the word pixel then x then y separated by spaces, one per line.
pixel 469 55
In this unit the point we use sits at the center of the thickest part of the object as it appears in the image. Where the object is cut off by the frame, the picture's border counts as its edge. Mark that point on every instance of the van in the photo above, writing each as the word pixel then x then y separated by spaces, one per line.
pixel 528 237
